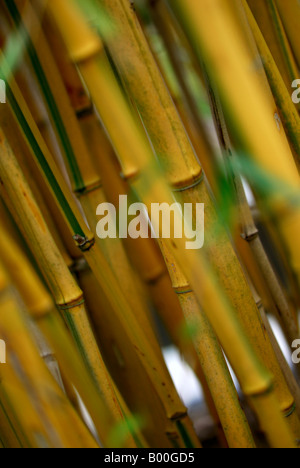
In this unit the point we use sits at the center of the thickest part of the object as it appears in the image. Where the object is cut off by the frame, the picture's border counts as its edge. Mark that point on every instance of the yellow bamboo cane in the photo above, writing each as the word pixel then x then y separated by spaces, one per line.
pixel 94 298
pixel 290 15
pixel 55 414
pixel 85 241
pixel 41 307
pixel 249 231
pixel 269 21
pixel 14 400
pixel 219 381
pixel 67 294
pixel 280 165
pixel 97 75
pixel 8 434
pixel 183 171
pixel 90 190
pixel 239 436
pixel 185 102
pixel 281 94
pixel 151 268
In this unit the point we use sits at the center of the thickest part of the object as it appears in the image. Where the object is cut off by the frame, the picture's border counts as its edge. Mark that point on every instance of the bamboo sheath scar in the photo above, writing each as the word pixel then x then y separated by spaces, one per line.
pixel 182 172
pixel 85 241
pixel 98 75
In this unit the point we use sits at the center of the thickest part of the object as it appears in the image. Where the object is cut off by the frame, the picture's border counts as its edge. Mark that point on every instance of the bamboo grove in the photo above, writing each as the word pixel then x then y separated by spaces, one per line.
pixel 157 102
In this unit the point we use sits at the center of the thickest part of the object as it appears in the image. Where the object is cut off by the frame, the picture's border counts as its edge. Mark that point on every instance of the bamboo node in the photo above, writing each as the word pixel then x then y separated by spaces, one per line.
pixel 290 411
pixel 191 186
pixel 71 305
pixel 180 291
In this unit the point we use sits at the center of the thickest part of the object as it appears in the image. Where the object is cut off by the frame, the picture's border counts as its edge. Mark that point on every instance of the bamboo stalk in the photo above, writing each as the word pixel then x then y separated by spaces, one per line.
pixel 218 378
pixel 193 122
pixel 287 219
pixel 9 437
pixel 249 231
pixel 26 423
pixel 269 21
pixel 152 269
pixel 67 294
pixel 85 242
pixel 228 391
pixel 44 395
pixel 83 49
pixel 282 96
pixel 182 168
pixel 42 309
pixel 289 12
pixel 90 191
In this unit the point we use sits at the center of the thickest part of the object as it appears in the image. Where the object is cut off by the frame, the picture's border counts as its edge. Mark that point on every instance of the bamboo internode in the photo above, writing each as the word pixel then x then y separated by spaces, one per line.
pixel 115 110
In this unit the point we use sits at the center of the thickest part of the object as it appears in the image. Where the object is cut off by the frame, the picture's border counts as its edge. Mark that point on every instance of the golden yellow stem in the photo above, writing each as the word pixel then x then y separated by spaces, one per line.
pixel 67 294
pixel 136 158
pixel 54 412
